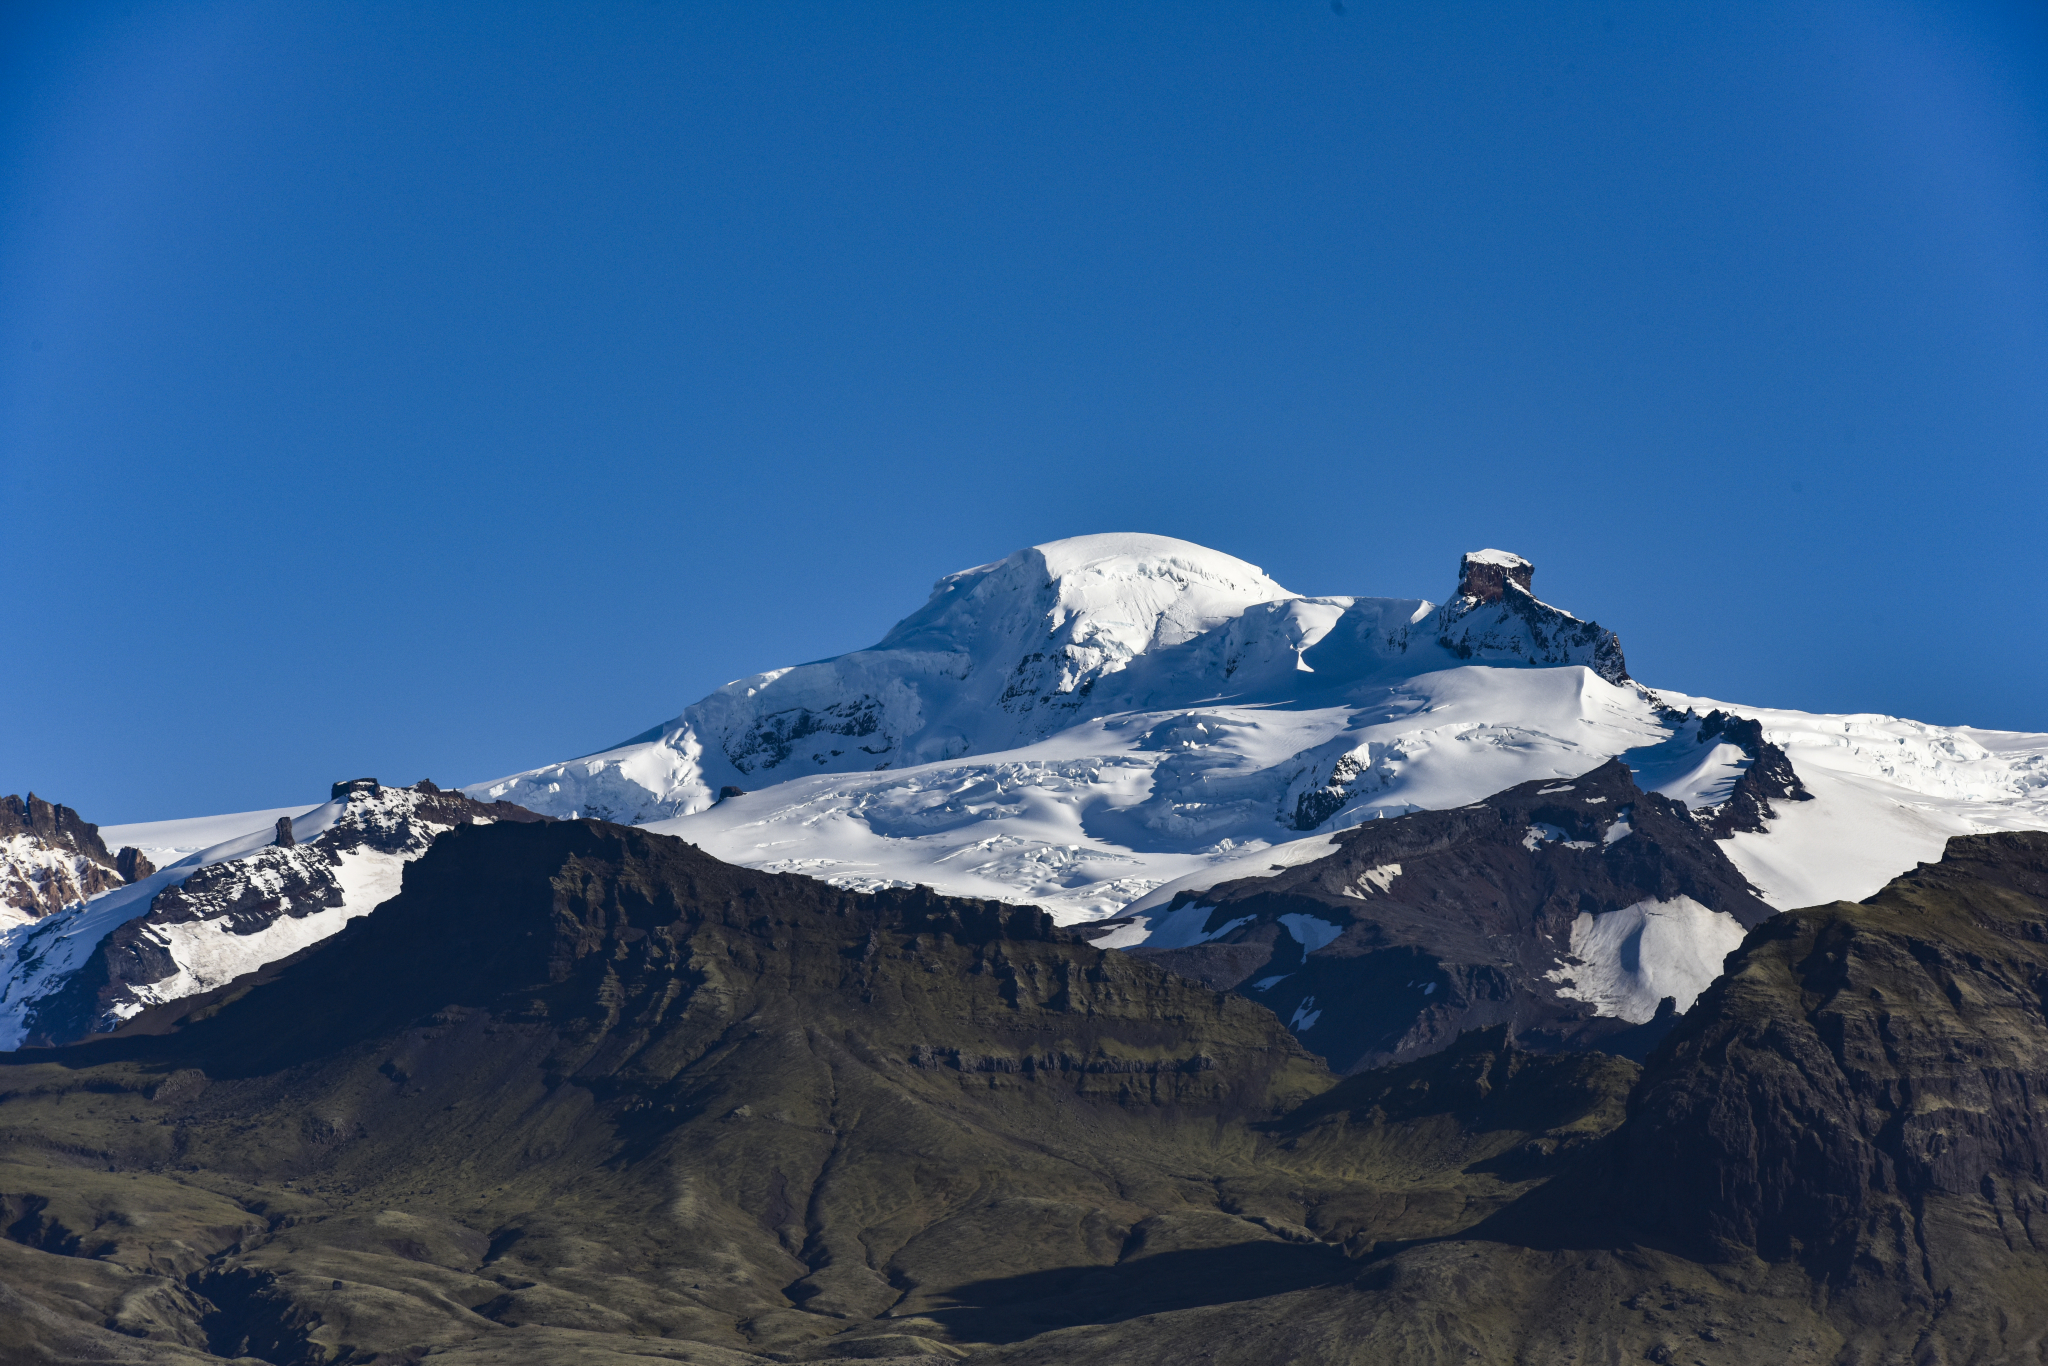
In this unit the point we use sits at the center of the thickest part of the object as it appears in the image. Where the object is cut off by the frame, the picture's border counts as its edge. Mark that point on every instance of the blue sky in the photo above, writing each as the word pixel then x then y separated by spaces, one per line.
pixel 439 390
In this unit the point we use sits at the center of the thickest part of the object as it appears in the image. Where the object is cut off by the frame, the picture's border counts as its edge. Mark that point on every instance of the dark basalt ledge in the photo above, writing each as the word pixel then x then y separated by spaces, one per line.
pixel 574 922
pixel 1485 581
pixel 246 896
pixel 1465 935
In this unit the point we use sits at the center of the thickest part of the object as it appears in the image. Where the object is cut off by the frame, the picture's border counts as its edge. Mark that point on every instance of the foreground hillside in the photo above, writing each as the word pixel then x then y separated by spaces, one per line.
pixel 582 1093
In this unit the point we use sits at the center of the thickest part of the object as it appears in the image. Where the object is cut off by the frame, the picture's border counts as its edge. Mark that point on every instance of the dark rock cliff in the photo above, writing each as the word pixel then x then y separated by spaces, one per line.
pixel 1863 1093
pixel 1497 615
pixel 1769 775
pixel 58 827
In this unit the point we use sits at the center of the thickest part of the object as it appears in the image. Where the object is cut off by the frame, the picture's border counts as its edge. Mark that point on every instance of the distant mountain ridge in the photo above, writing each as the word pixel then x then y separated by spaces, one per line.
pixel 1131 721
pixel 1096 723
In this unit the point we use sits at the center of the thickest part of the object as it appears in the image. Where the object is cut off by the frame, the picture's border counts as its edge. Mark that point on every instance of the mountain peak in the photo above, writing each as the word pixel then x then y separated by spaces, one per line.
pixel 1116 594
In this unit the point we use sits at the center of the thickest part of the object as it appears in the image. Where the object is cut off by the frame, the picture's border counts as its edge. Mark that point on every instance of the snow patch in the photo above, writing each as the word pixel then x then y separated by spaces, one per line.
pixel 1182 929
pixel 1624 962
pixel 1377 879
pixel 1310 932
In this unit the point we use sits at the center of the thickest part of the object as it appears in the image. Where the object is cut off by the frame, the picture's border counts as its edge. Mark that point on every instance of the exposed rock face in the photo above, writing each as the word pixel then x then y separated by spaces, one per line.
pixel 49 858
pixel 132 864
pixel 59 827
pixel 609 1097
pixel 1567 909
pixel 222 919
pixel 1769 775
pixel 1484 575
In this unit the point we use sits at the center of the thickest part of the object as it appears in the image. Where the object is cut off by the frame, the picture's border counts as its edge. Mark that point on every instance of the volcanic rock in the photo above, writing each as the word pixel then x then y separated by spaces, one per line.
pixel 1770 774
pixel 611 1097
pixel 609 1092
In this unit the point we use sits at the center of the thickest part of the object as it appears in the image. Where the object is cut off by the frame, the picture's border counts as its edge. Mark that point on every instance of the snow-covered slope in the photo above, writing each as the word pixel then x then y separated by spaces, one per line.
pixel 1093 724
pixel 166 842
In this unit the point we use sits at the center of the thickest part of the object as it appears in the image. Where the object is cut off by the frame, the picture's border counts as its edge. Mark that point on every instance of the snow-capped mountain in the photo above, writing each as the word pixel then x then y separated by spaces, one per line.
pixel 1096 724
pixel 1106 726
pixel 1009 654
pixel 221 911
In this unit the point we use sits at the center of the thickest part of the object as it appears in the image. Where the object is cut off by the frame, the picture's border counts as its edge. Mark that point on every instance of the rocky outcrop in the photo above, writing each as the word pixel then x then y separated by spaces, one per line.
pixel 1862 1093
pixel 1484 575
pixel 1769 775
pixel 50 858
pixel 132 864
pixel 1423 926
pixel 1496 616
pixel 58 827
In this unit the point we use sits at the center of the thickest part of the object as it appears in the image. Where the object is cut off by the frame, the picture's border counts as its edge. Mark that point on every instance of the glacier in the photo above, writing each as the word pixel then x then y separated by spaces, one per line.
pixel 1098 723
